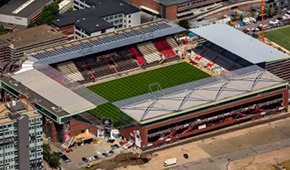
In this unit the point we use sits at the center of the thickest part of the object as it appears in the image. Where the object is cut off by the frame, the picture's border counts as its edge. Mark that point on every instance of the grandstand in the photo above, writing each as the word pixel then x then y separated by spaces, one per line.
pixel 235 50
pixel 112 54
pixel 171 114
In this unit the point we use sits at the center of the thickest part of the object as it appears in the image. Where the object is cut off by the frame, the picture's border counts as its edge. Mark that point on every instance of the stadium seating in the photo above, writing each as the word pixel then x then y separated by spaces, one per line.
pixel 135 52
pixel 164 47
pixel 70 70
pixel 173 44
pixel 149 51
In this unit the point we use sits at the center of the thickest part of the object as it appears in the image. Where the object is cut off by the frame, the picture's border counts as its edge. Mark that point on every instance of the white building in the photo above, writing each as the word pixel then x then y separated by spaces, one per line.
pixel 94 17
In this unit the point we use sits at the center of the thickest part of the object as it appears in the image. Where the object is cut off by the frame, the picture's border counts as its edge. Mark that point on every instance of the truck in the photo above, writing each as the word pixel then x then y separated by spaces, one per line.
pixel 169 162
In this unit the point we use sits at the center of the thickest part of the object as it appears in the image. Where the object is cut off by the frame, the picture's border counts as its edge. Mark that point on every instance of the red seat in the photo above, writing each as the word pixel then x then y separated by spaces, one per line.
pixel 137 55
pixel 164 48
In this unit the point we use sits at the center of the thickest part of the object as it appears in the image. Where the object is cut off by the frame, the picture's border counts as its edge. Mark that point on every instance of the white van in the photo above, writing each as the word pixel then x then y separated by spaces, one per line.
pixel 169 162
pixel 288 12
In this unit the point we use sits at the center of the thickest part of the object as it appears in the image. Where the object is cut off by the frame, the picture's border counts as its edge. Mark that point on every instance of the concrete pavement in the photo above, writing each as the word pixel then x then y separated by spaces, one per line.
pixel 221 162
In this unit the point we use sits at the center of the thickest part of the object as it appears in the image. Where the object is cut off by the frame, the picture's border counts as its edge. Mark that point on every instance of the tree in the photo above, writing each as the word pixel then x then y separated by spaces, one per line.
pixel 51 158
pixel 276 9
pixel 54 159
pixel 269 11
pixel 241 17
pixel 49 13
pixel 253 14
pixel 184 23
pixel 234 18
pixel 3 30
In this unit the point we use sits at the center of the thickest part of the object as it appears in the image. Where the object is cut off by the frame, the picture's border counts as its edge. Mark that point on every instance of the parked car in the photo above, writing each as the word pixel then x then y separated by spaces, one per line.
pixel 59 167
pixel 90 165
pixel 185 156
pixel 68 150
pixel 114 146
pixel 111 141
pixel 85 159
pixel 96 157
pixel 111 153
pixel 104 155
pixel 91 158
pixel 65 159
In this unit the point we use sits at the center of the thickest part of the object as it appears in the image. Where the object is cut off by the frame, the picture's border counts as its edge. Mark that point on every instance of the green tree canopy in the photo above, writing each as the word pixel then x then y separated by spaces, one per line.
pixel 184 23
pixel 234 19
pixel 54 159
pixel 49 13
pixel 241 17
pixel 3 30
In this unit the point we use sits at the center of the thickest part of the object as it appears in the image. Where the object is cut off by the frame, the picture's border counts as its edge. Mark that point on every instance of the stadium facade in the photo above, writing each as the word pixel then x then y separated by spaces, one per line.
pixel 175 113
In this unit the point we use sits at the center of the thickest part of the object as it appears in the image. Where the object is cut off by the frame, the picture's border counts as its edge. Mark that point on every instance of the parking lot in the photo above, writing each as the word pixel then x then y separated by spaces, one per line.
pixel 89 150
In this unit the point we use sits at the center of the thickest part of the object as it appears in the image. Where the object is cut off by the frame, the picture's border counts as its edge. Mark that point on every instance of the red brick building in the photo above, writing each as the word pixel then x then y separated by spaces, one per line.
pixel 201 106
pixel 171 10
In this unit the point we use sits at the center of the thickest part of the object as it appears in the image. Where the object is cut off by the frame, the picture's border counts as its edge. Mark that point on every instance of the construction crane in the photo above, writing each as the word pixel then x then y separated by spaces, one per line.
pixel 262 20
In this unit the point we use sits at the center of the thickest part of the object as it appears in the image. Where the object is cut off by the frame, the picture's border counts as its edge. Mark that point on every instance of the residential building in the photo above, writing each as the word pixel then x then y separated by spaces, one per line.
pixel 171 10
pixel 32 38
pixel 22 12
pixel 20 136
pixel 95 17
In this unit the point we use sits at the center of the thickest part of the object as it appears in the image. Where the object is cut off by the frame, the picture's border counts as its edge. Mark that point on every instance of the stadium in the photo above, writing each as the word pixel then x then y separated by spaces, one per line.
pixel 156 88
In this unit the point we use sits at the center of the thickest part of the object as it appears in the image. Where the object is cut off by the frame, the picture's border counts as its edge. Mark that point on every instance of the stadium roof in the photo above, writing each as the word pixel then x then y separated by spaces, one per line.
pixel 23 8
pixel 239 43
pixel 53 91
pixel 58 95
pixel 104 42
pixel 31 36
pixel 198 94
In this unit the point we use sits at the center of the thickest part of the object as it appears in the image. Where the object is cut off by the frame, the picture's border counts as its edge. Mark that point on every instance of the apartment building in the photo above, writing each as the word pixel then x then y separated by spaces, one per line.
pixel 30 39
pixel 20 136
pixel 95 17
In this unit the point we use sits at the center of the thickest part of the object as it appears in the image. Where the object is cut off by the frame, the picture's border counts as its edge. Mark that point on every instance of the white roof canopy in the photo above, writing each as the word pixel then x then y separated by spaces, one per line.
pixel 239 43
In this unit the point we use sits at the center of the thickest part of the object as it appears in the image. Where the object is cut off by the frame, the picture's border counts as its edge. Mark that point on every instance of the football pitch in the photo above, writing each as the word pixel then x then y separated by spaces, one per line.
pixel 280 37
pixel 137 84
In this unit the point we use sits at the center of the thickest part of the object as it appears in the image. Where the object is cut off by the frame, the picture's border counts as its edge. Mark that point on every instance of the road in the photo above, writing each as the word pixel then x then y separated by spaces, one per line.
pixel 221 162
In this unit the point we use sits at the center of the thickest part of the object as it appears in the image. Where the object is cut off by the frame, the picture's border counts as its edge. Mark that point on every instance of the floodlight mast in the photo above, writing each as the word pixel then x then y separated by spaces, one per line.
pixel 262 20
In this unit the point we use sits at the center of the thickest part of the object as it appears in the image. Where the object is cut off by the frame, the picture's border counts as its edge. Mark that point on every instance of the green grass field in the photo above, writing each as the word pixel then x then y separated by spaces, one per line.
pixel 280 37
pixel 135 85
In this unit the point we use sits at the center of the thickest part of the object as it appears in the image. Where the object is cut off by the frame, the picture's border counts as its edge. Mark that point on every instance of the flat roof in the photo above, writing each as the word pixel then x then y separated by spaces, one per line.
pixel 5 111
pixel 172 2
pixel 23 8
pixel 239 43
pixel 31 36
pixel 88 18
pixel 96 44
pixel 198 94
pixel 52 91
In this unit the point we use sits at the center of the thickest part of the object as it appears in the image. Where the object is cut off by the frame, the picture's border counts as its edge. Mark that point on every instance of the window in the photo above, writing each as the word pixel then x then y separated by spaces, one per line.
pixel 120 15
pixel 111 17
pixel 129 16
pixel 129 21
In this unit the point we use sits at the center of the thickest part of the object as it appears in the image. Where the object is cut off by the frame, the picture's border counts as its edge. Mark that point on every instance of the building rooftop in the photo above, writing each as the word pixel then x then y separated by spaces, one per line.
pixel 172 2
pixel 239 43
pixel 88 18
pixel 23 8
pixel 31 36
pixel 50 89
pixel 198 94
pixel 53 91
pixel 92 45
pixel 21 106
